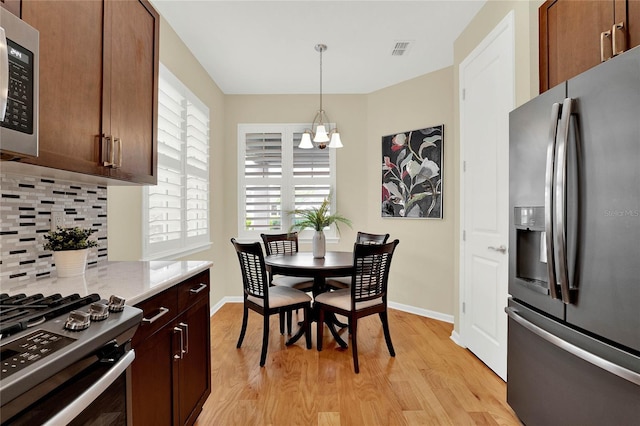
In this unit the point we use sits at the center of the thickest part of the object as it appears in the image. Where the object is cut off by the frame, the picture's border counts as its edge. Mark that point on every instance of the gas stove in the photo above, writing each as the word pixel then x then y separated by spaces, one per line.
pixel 44 336
pixel 20 312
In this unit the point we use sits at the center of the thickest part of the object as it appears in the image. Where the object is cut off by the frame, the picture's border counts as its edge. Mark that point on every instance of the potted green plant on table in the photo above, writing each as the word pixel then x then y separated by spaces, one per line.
pixel 70 248
pixel 317 218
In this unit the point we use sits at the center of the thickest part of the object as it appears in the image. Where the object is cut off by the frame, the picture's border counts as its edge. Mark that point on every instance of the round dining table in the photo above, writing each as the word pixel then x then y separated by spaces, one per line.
pixel 303 264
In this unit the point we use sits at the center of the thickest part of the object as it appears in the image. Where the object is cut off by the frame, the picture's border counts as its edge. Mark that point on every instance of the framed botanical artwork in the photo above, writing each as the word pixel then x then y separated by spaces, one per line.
pixel 412 173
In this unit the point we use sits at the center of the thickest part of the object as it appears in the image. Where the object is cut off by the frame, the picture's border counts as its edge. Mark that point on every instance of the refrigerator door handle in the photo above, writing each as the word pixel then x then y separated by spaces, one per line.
pixel 623 373
pixel 560 205
pixel 548 200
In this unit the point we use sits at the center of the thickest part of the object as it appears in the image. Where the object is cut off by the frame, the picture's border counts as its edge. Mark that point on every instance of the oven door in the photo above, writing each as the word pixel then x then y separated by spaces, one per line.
pixel 97 394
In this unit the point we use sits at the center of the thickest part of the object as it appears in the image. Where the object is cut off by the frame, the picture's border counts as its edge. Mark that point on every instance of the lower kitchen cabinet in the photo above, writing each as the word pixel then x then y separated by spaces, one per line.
pixel 171 375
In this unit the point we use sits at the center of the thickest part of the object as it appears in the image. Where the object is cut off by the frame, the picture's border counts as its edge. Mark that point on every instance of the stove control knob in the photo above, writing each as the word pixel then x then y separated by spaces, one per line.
pixel 98 311
pixel 116 304
pixel 77 320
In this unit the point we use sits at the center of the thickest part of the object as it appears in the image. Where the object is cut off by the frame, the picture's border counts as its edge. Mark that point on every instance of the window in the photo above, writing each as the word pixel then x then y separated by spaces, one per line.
pixel 275 176
pixel 177 208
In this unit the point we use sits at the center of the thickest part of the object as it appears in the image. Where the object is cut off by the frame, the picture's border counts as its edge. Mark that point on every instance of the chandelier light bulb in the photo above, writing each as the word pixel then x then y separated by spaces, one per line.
pixel 335 140
pixel 305 142
pixel 321 134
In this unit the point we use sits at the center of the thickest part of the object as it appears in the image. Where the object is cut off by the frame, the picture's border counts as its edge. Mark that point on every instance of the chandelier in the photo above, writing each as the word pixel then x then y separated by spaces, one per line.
pixel 321 131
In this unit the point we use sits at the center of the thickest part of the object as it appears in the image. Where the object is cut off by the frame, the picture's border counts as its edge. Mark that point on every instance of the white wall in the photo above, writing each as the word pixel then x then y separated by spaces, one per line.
pixel 526 79
pixel 425 270
pixel 125 203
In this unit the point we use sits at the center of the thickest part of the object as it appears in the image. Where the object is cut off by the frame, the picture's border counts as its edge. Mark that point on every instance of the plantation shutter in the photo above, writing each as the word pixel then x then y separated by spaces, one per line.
pixel 263 177
pixel 311 175
pixel 178 206
pixel 275 176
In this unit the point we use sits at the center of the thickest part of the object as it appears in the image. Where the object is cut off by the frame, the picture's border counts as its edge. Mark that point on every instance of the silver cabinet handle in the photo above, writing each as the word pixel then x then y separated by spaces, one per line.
pixel 181 353
pixel 200 288
pixel 561 201
pixel 603 35
pixel 185 350
pixel 163 311
pixel 118 164
pixel 501 249
pixel 618 28
pixel 79 404
pixel 548 200
pixel 4 74
pixel 110 151
pixel 599 362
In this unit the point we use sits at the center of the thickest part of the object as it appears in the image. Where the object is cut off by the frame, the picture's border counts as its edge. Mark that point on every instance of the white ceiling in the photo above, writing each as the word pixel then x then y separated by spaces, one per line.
pixel 267 47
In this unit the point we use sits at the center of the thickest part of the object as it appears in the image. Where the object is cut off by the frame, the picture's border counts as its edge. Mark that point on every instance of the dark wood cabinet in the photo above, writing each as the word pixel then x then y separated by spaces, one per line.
pixel 194 370
pixel 98 87
pixel 577 35
pixel 12 6
pixel 171 375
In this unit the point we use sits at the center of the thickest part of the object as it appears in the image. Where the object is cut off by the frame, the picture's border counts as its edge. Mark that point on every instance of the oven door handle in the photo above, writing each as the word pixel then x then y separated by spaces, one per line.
pixel 74 409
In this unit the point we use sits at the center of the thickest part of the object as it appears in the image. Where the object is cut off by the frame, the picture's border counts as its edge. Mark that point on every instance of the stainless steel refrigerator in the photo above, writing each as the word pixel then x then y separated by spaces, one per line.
pixel 574 260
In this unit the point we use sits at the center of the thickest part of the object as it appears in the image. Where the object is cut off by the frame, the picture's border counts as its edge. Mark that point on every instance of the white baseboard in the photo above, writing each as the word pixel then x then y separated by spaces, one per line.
pixel 422 312
pixel 227 299
pixel 399 306
pixel 456 339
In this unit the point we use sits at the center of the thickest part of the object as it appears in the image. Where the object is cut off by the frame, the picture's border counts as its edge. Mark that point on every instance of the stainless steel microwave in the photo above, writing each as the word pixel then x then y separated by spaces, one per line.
pixel 19 46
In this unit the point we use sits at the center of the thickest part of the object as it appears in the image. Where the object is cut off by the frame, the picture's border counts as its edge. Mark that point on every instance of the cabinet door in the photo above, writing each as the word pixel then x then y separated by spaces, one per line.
pixel 130 101
pixel 12 6
pixel 570 34
pixel 152 376
pixel 195 367
pixel 632 23
pixel 70 83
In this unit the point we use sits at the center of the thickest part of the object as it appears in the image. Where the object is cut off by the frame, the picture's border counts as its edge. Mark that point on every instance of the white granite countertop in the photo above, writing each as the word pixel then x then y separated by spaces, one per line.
pixel 133 281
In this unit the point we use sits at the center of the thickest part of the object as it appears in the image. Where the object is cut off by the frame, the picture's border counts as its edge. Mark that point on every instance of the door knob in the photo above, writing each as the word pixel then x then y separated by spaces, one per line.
pixel 501 249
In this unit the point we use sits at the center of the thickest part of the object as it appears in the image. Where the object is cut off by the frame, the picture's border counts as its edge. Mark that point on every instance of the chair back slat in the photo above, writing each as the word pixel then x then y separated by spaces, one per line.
pixel 280 243
pixel 371 270
pixel 366 238
pixel 254 275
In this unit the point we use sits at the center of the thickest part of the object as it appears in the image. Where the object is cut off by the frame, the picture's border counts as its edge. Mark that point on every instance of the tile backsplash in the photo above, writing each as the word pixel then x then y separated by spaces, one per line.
pixel 26 203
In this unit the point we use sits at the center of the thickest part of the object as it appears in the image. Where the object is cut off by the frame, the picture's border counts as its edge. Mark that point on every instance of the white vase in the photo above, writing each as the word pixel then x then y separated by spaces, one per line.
pixel 318 245
pixel 70 263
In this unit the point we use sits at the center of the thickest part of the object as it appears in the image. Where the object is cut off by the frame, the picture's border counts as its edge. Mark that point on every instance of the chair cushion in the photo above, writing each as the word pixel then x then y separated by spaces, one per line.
pixel 292 282
pixel 282 296
pixel 342 299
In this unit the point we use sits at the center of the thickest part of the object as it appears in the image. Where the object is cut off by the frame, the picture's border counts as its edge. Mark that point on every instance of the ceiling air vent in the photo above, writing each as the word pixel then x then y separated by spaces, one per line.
pixel 401 48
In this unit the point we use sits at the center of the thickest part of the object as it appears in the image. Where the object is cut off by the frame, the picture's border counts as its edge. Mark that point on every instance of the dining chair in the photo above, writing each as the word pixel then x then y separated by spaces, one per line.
pixel 264 299
pixel 337 283
pixel 366 296
pixel 285 244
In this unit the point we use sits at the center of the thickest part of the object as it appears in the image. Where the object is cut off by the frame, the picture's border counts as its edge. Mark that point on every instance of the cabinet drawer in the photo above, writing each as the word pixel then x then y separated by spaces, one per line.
pixel 157 312
pixel 193 290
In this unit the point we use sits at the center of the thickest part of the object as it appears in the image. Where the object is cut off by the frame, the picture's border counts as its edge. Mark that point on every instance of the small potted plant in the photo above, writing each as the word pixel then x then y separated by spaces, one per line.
pixel 318 218
pixel 70 248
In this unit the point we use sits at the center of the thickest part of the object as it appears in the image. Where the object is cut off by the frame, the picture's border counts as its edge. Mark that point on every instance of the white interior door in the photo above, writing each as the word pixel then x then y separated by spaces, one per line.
pixel 487 97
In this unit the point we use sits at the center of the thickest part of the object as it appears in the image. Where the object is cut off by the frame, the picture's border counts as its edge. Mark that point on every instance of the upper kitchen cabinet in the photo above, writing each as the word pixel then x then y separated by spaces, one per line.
pixel 98 87
pixel 577 35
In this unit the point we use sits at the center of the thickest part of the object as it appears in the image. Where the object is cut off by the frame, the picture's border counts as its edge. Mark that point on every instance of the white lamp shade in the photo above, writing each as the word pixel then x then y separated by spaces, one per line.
pixel 305 142
pixel 321 134
pixel 335 141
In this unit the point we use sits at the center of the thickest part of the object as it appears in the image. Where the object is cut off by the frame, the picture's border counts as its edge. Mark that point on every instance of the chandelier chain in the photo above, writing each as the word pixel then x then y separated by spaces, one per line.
pixel 321 50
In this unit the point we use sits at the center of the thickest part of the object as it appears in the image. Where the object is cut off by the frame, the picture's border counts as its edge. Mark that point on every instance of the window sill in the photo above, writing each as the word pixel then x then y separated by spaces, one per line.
pixel 173 254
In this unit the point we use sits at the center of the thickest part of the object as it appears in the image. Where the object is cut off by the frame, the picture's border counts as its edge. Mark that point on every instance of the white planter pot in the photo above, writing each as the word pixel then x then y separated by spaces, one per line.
pixel 318 245
pixel 70 263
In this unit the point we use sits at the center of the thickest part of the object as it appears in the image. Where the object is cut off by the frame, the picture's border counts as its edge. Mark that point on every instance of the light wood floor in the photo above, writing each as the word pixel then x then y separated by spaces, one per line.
pixel 431 381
